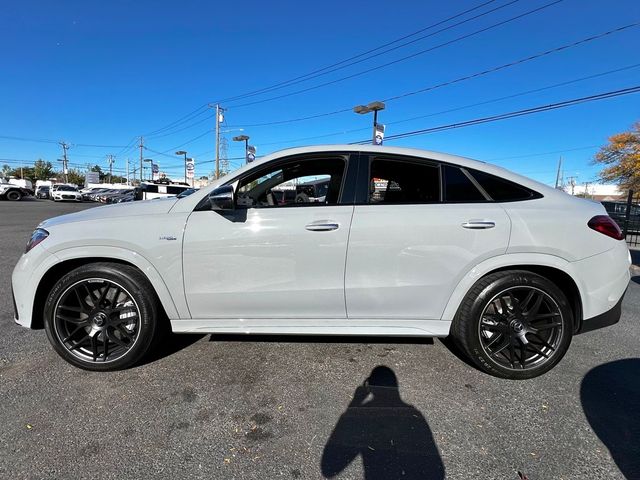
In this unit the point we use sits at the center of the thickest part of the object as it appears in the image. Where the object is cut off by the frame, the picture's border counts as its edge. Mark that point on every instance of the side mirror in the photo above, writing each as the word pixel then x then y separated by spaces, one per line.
pixel 222 199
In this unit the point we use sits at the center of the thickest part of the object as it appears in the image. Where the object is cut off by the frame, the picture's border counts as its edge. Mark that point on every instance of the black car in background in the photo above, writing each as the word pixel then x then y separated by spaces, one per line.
pixel 618 211
pixel 44 192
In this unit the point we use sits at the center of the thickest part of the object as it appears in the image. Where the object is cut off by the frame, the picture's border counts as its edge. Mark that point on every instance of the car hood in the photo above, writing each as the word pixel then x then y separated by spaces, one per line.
pixel 130 209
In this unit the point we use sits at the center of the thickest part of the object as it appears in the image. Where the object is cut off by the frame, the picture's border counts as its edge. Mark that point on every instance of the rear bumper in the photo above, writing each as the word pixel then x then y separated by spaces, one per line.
pixel 606 319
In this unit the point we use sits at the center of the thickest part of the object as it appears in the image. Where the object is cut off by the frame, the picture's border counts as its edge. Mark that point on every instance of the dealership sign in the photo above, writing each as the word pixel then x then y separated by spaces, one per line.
pixel 251 153
pixel 191 166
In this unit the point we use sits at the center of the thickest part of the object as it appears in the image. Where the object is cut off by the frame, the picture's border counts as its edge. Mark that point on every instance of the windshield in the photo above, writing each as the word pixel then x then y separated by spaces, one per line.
pixel 67 188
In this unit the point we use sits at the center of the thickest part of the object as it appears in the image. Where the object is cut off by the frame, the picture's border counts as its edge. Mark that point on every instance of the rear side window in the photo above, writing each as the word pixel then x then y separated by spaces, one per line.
pixel 501 190
pixel 398 181
pixel 459 188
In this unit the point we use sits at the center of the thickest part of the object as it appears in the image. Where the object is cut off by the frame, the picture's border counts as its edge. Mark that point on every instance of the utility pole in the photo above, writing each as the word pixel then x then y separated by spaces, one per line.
pixel 219 120
pixel 141 148
pixel 110 160
pixel 572 182
pixel 128 182
pixel 558 174
pixel 65 160
pixel 586 190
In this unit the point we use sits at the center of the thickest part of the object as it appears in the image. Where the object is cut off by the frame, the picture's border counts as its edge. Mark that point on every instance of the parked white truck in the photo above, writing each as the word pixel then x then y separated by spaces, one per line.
pixel 14 189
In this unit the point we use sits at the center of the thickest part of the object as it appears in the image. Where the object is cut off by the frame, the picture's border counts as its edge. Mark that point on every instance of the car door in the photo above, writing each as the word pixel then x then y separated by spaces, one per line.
pixel 281 252
pixel 417 228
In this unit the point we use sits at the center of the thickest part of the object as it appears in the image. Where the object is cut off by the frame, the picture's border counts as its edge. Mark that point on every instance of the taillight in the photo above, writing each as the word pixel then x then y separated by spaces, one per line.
pixel 606 225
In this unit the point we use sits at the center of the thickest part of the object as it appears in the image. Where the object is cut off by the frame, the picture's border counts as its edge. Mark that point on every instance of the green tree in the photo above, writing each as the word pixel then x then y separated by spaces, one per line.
pixel 621 158
pixel 23 172
pixel 75 176
pixel 42 170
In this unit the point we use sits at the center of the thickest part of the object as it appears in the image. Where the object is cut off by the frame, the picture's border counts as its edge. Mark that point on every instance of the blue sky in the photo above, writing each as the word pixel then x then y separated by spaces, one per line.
pixel 102 73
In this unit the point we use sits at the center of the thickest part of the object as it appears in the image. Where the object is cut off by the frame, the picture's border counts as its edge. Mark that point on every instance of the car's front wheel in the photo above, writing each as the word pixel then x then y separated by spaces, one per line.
pixel 514 324
pixel 101 316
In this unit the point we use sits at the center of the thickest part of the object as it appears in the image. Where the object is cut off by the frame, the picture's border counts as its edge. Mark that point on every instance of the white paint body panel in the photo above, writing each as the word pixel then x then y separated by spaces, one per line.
pixel 268 266
pixel 387 270
pixel 404 260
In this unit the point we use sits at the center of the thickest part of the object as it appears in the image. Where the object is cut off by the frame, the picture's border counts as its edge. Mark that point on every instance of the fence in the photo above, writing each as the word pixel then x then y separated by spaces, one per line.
pixel 630 222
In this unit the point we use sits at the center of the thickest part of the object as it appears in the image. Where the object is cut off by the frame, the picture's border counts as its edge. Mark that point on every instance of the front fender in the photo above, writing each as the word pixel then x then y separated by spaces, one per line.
pixel 167 300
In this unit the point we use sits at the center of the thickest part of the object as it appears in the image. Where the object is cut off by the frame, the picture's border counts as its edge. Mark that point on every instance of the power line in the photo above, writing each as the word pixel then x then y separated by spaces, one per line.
pixel 200 110
pixel 519 94
pixel 486 102
pixel 187 117
pixel 402 59
pixel 368 54
pixel 517 113
pixel 464 78
pixel 517 62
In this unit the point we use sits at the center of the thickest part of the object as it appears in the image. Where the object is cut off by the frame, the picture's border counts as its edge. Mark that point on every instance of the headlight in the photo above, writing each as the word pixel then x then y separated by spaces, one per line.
pixel 38 235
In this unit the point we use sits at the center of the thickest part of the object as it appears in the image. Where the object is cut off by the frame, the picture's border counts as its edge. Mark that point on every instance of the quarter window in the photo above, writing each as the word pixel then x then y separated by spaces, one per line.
pixel 397 181
pixel 502 190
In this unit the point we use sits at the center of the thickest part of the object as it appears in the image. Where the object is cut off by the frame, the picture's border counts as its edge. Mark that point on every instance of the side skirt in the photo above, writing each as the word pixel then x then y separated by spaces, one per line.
pixel 330 326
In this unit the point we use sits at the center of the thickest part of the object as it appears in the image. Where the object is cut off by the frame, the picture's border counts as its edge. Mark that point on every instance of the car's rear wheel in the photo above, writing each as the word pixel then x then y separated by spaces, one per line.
pixel 102 316
pixel 13 195
pixel 514 324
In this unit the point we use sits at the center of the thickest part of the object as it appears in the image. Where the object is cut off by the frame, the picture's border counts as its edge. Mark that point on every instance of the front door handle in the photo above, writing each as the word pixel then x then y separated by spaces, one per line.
pixel 479 224
pixel 322 226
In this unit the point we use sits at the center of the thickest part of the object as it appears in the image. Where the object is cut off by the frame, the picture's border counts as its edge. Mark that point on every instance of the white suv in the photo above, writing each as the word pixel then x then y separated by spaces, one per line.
pixel 406 243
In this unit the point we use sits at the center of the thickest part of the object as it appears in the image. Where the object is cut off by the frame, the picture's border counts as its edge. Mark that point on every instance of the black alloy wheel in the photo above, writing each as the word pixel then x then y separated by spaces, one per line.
pixel 97 320
pixel 514 324
pixel 521 328
pixel 102 316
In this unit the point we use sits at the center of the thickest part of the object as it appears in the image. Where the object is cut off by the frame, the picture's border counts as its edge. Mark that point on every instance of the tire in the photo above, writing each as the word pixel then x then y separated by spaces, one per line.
pixel 514 324
pixel 102 304
pixel 13 195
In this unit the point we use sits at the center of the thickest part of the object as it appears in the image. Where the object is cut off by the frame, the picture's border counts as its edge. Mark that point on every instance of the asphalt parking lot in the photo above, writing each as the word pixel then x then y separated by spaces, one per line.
pixel 261 408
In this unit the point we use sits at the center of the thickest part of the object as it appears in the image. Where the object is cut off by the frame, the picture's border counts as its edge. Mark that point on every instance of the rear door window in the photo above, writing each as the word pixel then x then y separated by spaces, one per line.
pixel 459 188
pixel 403 181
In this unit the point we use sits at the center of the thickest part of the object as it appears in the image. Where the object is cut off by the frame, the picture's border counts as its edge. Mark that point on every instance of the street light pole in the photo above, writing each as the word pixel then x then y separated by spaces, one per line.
pixel 374 107
pixel 182 152
pixel 245 139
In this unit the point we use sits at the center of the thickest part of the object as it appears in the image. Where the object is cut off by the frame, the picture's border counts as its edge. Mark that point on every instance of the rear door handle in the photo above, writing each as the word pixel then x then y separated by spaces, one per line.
pixel 322 226
pixel 479 224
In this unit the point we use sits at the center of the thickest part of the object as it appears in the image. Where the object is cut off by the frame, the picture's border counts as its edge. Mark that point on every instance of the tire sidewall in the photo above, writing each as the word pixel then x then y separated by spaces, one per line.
pixel 13 196
pixel 479 303
pixel 128 278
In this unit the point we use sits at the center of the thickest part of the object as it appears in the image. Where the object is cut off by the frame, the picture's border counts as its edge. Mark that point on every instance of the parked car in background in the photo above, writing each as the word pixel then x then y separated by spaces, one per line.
pixel 618 211
pixel 43 192
pixel 66 193
pixel 406 242
pixel 88 193
pixel 160 189
pixel 11 191
pixel 119 196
